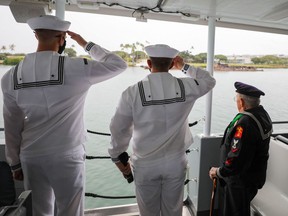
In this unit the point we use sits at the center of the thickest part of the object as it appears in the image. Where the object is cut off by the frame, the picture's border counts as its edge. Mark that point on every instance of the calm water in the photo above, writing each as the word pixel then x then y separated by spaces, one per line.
pixel 102 176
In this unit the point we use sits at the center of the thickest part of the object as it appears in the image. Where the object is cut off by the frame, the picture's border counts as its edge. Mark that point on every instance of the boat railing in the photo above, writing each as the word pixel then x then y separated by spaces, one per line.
pixel 280 122
pixel 91 157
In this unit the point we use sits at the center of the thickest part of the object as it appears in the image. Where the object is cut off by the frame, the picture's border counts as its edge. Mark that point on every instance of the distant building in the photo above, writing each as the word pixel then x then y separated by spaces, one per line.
pixel 240 59
pixel 246 59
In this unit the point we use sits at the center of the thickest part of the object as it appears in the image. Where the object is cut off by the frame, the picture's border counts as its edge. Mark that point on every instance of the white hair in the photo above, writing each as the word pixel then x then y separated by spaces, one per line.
pixel 250 101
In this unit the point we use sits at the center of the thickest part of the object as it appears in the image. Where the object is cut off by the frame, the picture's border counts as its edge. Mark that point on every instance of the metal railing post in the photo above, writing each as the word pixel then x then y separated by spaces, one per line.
pixel 210 68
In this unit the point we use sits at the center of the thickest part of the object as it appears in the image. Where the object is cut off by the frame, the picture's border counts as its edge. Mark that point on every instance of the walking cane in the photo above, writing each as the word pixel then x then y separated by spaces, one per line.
pixel 213 196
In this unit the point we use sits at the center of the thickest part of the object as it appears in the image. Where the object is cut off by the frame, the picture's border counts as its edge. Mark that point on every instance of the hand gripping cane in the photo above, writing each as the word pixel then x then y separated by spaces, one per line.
pixel 213 196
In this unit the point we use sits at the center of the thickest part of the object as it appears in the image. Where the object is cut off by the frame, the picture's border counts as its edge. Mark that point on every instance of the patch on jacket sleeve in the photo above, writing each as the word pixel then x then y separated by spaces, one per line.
pixel 239 132
pixel 229 161
pixel 234 147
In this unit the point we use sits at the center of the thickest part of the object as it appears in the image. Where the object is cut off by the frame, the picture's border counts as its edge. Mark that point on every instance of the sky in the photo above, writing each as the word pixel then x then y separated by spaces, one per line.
pixel 111 31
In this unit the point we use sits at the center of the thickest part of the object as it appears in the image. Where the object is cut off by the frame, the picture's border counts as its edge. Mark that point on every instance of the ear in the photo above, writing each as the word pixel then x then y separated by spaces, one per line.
pixel 242 102
pixel 172 64
pixel 62 41
pixel 149 63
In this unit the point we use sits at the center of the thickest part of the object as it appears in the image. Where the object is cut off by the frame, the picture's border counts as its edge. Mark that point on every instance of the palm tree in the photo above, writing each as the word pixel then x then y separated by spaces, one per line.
pixel 12 47
pixel 3 48
pixel 132 48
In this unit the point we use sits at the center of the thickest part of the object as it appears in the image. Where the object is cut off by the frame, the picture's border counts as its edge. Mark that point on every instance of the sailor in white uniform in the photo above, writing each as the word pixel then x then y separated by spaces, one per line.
pixel 152 117
pixel 43 116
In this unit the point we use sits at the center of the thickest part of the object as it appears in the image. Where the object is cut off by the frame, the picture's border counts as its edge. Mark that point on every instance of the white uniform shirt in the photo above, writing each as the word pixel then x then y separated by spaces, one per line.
pixel 44 101
pixel 152 116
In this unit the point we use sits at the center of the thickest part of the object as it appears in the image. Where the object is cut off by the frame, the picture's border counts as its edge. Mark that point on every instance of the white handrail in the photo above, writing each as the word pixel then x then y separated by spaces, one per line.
pixel 210 68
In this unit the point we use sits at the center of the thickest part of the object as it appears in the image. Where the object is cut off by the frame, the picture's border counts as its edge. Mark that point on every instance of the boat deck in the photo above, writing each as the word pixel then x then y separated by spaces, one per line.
pixel 123 210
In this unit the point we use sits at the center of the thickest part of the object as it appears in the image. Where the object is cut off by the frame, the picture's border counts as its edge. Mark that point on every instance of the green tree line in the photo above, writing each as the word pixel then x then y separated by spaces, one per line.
pixel 134 52
pixel 269 59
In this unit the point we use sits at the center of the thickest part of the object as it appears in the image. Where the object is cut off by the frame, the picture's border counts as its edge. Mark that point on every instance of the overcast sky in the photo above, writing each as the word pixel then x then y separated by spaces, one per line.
pixel 111 31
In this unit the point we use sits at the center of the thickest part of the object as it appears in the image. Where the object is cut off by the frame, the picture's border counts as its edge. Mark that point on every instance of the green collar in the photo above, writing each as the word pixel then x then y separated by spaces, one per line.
pixel 236 118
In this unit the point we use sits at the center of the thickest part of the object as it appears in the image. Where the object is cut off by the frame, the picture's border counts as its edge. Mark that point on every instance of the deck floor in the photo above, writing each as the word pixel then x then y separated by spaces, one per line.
pixel 132 210
pixel 124 210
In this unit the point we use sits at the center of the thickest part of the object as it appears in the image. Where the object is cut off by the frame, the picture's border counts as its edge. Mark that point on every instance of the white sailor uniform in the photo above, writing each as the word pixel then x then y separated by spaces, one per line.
pixel 44 128
pixel 152 117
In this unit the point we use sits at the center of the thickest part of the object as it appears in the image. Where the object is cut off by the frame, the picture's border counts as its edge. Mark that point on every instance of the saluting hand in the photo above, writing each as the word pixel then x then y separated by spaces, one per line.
pixel 78 38
pixel 178 62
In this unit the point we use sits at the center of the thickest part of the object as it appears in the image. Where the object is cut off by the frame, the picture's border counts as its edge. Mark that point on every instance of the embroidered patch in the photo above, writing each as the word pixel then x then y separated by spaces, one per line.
pixel 239 132
pixel 234 146
pixel 228 161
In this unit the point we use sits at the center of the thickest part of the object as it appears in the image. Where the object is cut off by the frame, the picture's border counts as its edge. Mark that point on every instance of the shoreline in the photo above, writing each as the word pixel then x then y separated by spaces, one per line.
pixel 217 67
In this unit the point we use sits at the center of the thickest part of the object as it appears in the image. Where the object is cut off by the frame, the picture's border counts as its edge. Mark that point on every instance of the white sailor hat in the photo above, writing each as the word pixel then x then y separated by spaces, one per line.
pixel 48 22
pixel 161 51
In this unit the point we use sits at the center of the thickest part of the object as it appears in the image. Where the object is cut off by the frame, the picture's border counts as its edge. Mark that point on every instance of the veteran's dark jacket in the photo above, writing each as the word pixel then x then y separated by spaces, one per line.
pixel 244 148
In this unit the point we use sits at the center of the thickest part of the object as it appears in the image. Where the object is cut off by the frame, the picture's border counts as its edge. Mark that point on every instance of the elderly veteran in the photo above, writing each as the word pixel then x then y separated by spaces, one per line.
pixel 244 153
pixel 152 117
pixel 44 99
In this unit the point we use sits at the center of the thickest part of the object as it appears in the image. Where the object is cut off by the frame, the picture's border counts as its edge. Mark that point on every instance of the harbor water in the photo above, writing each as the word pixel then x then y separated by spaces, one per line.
pixel 103 178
